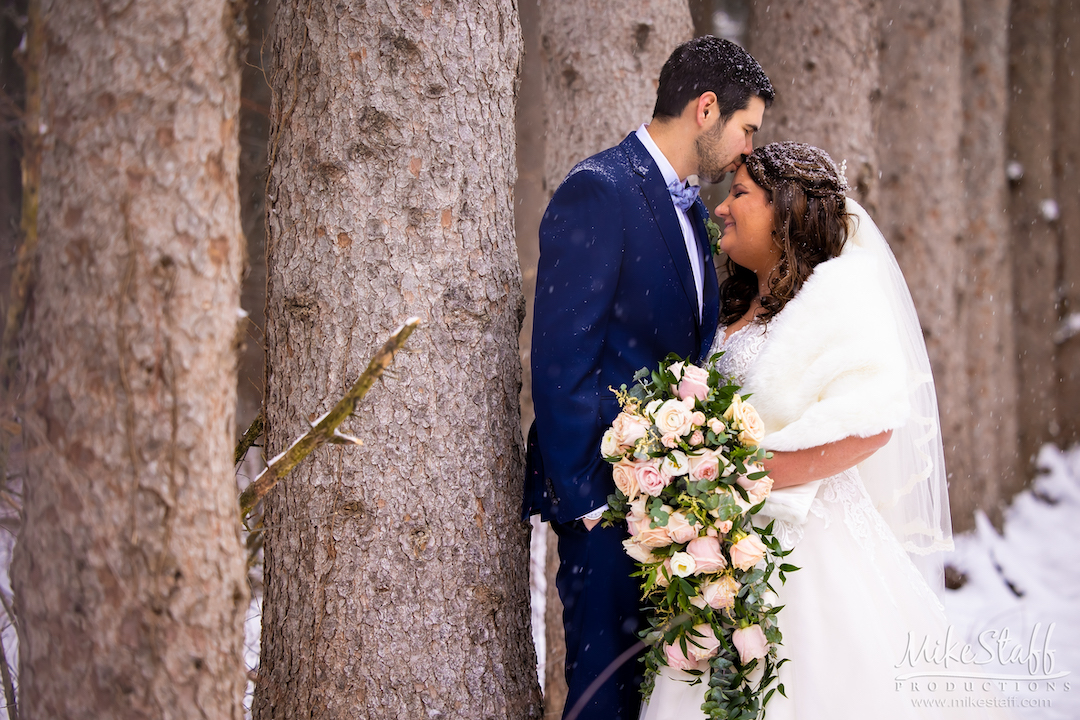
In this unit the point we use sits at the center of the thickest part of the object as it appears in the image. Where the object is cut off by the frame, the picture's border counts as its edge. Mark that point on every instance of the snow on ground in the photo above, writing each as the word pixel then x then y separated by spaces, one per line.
pixel 1022 596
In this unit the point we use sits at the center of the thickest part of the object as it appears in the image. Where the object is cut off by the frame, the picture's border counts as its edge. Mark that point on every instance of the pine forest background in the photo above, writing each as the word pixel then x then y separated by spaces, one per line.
pixel 333 167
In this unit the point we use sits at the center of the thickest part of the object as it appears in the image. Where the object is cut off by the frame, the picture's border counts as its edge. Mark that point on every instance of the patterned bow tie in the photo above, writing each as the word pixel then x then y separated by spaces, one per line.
pixel 683 195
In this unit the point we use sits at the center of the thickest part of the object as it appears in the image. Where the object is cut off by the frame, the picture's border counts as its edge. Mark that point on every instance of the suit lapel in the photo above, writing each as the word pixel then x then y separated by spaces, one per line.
pixel 656 195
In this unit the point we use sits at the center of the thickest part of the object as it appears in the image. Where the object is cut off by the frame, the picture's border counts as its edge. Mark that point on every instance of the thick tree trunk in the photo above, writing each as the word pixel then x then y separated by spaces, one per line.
pixel 1067 180
pixel 601 61
pixel 1034 243
pixel 128 574
pixel 397 572
pixel 823 59
pixel 920 200
pixel 986 310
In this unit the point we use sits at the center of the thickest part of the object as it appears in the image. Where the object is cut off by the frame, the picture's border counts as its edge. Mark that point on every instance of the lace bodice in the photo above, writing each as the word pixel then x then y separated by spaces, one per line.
pixel 739 350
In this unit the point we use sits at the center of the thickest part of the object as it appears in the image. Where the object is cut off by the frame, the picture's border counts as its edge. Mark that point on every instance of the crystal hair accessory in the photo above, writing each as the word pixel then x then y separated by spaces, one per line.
pixel 811 167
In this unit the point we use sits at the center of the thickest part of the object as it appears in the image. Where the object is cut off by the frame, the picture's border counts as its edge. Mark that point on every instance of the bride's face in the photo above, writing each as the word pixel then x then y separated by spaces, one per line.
pixel 747 215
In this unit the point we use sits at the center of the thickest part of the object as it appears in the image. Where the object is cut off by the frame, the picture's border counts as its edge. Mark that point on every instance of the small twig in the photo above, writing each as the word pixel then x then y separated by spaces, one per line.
pixel 250 436
pixel 325 429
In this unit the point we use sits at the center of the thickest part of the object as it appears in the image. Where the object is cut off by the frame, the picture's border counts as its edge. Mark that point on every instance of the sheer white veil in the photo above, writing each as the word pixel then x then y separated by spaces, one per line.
pixel 906 479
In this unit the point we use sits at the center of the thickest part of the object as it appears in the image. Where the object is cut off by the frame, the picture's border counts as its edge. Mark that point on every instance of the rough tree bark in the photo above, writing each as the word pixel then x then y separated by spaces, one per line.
pixel 823 59
pixel 129 574
pixel 1034 241
pixel 986 310
pixel 1067 179
pixel 602 60
pixel 396 572
pixel 920 202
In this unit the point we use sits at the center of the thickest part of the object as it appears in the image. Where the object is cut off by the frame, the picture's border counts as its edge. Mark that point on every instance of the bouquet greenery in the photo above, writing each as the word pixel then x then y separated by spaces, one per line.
pixel 685 455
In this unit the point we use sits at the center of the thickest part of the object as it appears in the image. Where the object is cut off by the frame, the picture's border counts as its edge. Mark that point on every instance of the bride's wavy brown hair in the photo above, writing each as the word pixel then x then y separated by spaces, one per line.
pixel 810 217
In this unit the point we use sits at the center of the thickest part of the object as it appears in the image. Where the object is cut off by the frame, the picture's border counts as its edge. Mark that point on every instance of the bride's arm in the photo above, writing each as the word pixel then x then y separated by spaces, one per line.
pixel 802 466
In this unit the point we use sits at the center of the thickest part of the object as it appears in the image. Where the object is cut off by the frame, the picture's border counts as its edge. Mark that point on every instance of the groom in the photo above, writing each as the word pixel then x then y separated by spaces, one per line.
pixel 625 277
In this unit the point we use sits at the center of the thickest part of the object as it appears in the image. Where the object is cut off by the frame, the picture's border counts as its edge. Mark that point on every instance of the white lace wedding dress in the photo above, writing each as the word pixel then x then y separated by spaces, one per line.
pixel 848 612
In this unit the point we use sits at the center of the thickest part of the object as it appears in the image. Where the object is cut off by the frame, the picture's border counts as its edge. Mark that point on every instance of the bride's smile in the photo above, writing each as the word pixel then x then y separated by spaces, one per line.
pixel 747 213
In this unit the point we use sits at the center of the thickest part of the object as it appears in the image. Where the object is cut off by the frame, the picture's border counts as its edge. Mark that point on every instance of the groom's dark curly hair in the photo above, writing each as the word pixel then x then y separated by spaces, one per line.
pixel 710 63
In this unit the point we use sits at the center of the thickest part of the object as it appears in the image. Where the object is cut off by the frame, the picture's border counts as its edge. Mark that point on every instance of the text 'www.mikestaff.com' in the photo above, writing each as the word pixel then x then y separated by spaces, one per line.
pixel 981 702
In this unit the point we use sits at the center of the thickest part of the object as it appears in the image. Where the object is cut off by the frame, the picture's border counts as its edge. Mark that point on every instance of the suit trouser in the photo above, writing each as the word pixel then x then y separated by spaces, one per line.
pixel 601 614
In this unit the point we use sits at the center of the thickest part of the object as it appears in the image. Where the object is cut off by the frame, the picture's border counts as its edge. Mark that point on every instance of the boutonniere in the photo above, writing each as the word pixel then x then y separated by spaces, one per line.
pixel 714 235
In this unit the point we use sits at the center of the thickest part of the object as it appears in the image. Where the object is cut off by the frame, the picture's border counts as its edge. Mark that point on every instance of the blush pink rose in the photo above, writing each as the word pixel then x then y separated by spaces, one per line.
pixel 679 529
pixel 664 574
pixel 636 516
pixel 704 465
pixel 723 527
pixel 638 551
pixel 748 552
pixel 629 428
pixel 697 438
pixel 649 478
pixel 691 381
pixel 705 646
pixel 708 557
pixel 751 643
pixel 720 593
pixel 625 476
pixel 653 537
pixel 697 418
pixel 756 490
pixel 677 660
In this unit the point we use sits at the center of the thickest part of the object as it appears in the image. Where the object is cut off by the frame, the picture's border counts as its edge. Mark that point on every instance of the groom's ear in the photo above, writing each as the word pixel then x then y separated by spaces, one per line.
pixel 705 109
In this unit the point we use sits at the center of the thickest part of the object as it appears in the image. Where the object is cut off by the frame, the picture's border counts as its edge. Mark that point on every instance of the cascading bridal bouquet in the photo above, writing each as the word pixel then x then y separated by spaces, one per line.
pixel 685 455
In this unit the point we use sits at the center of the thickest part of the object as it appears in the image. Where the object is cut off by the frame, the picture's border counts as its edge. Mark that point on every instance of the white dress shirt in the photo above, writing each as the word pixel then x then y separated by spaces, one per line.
pixel 671 176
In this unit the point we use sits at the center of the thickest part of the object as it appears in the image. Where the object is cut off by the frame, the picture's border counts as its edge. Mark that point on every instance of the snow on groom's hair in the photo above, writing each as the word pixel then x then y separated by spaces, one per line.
pixel 706 64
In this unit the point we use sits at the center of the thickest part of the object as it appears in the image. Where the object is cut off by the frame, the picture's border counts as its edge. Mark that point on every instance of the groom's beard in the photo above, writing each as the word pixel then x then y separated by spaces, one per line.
pixel 708 147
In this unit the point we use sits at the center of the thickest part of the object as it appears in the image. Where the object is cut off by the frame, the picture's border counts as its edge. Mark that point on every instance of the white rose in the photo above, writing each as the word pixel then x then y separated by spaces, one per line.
pixel 683 564
pixel 675 464
pixel 673 417
pixel 609 444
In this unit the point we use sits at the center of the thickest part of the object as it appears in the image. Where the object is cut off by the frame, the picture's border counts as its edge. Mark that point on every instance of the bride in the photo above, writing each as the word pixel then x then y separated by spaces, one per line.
pixel 818 325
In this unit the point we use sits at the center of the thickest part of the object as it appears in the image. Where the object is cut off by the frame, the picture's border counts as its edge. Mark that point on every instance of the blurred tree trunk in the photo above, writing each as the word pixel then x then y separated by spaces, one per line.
pixel 986 311
pixel 823 59
pixel 1034 242
pixel 602 60
pixel 1067 180
pixel 920 203
pixel 128 574
pixel 254 131
pixel 397 572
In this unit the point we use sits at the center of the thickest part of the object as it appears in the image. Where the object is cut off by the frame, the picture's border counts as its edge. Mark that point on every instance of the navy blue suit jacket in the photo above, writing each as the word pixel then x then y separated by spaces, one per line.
pixel 614 293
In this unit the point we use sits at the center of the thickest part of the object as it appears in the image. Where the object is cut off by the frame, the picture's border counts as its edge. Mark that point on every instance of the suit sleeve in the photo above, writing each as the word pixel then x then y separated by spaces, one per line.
pixel 581 247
